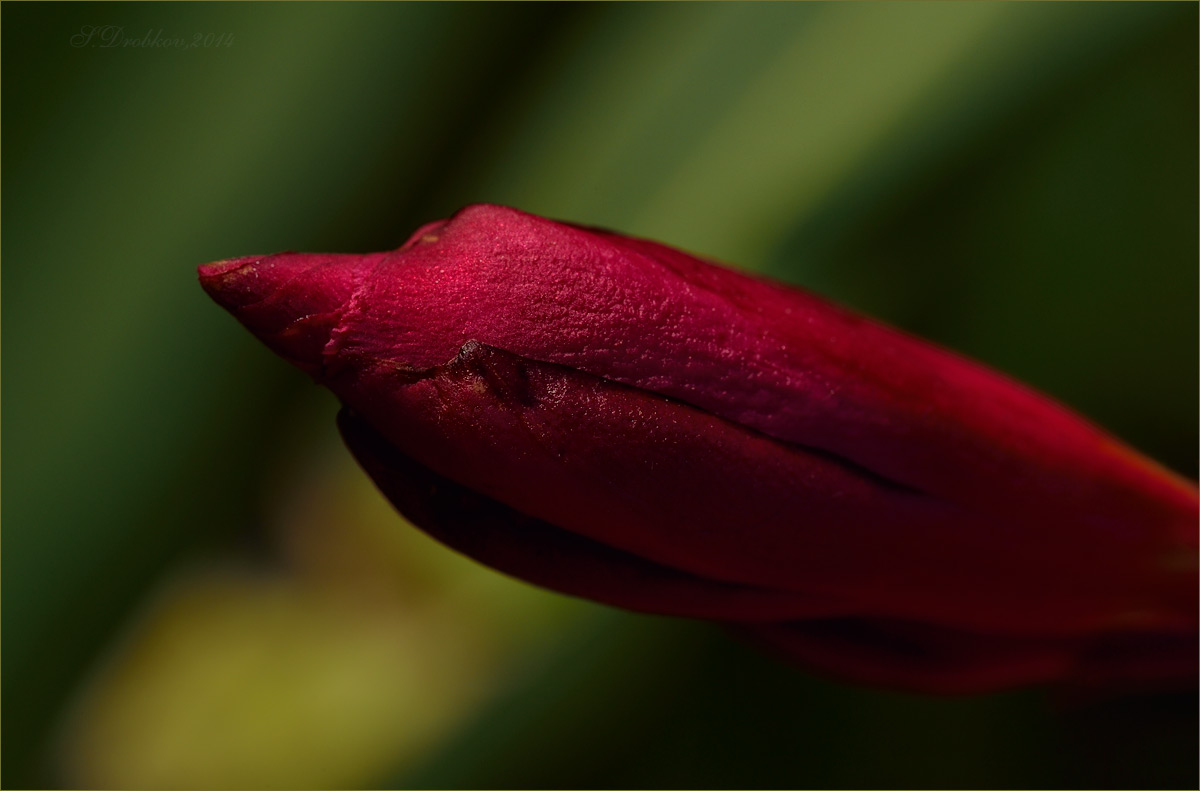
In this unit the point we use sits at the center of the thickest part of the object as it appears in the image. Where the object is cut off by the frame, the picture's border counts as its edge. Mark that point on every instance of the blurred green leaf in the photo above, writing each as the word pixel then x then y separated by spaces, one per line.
pixel 144 412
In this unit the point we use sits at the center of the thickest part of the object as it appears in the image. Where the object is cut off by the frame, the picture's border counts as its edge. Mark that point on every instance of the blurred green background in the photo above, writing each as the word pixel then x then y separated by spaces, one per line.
pixel 200 589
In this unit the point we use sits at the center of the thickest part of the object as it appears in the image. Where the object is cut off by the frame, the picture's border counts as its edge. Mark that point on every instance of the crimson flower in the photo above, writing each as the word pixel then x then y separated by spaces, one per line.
pixel 616 419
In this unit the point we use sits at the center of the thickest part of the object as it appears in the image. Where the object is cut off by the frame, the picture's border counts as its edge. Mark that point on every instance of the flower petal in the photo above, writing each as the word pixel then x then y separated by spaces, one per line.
pixel 531 549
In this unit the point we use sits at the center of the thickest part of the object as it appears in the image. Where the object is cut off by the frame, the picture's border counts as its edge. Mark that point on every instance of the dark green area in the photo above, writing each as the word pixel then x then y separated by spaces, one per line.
pixel 1019 181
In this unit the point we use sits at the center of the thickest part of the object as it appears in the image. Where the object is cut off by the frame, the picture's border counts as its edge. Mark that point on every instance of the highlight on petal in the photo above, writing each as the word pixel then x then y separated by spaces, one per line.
pixel 620 420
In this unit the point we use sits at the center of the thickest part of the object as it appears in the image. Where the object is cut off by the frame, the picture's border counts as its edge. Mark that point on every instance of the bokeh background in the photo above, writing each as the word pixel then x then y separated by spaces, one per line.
pixel 199 587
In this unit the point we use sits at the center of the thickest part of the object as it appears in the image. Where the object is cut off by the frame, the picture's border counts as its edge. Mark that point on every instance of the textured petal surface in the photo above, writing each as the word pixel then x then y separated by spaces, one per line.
pixel 617 419
pixel 684 488
pixel 772 358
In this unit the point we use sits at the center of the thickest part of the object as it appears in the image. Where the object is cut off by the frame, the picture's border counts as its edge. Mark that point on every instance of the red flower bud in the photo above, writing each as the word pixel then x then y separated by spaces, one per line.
pixel 616 419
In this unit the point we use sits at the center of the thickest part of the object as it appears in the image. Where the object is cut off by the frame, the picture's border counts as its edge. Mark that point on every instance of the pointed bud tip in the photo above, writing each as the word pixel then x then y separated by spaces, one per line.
pixel 238 282
pixel 290 301
pixel 216 269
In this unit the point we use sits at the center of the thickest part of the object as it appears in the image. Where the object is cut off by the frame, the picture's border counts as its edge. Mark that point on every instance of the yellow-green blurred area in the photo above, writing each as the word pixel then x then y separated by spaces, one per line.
pixel 200 589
